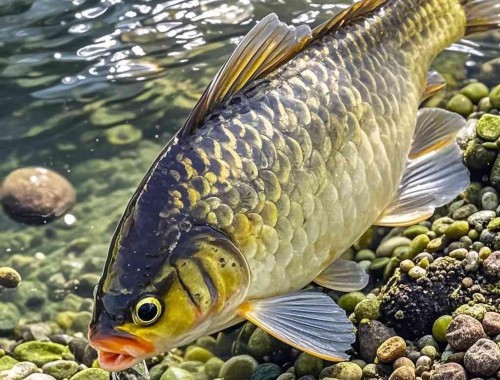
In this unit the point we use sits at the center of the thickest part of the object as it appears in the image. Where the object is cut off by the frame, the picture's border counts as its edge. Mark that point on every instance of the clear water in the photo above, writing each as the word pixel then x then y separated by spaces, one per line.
pixel 73 70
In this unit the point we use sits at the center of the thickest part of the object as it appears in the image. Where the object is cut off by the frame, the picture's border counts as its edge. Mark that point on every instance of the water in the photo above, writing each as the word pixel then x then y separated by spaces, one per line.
pixel 72 74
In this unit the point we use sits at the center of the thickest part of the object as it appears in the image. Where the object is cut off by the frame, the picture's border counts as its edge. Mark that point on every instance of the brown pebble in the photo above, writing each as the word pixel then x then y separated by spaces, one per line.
pixel 392 349
pixel 491 265
pixel 402 362
pixel 463 332
pixel 467 282
pixel 35 195
pixel 491 323
pixel 483 358
pixel 403 373
pixel 9 278
pixel 449 371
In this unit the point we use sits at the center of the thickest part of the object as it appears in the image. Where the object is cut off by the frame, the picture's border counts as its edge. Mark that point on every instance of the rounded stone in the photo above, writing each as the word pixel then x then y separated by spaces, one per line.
pixel 35 195
pixel 371 335
pixel 41 353
pixel 342 371
pixel 418 244
pixel 413 231
pixel 449 371
pixel 392 349
pixel 365 254
pixel 475 91
pixel 483 358
pixel 463 332
pixel 307 364
pixel 460 104
pixel 368 308
pixel 198 354
pixel 39 376
pixel 261 344
pixel 91 374
pixel 402 361
pixel 429 351
pixel 213 366
pixel 457 229
pixel 417 272
pixel 440 327
pixel 60 369
pixel 9 278
pixel 491 323
pixel 491 265
pixel 388 246
pixel 403 373
pixel 406 265
pixel 489 201
pixel 239 367
pixel 349 301
pixel 495 96
pixel 266 371
pixel 175 373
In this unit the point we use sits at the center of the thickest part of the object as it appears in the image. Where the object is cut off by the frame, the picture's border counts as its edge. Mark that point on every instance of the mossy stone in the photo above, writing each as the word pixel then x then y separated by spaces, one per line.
pixel 175 373
pixel 367 309
pixel 460 104
pixel 60 369
pixel 475 91
pixel 91 374
pixel 198 354
pixel 307 364
pixel 485 104
pixel 261 344
pixel 495 97
pixel 266 371
pixel 207 342
pixel 413 231
pixel 488 127
pixel 9 315
pixel 379 264
pixel 457 229
pixel 475 311
pixel 365 254
pixel 349 301
pixel 478 157
pixel 342 371
pixel 213 366
pixel 239 367
pixel 41 353
pixel 7 362
pixel 418 244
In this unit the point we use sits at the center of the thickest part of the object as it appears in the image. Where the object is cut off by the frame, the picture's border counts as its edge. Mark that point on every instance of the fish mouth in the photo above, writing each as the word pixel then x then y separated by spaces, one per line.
pixel 117 353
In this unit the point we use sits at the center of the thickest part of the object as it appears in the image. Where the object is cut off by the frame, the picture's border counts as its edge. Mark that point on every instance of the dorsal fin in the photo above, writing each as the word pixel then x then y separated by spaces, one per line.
pixel 269 44
pixel 347 15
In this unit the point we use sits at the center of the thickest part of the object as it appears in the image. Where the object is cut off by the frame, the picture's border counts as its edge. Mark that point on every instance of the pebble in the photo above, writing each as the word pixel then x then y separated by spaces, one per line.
pixel 457 229
pixel 392 349
pixel 491 265
pixel 489 201
pixel 403 361
pixel 429 351
pixel 483 358
pixel 406 265
pixel 379 264
pixel 475 91
pixel 198 354
pixel 449 371
pixel 371 335
pixel 175 373
pixel 481 217
pixel 60 369
pixel 413 231
pixel 491 323
pixel 488 127
pixel 41 353
pixel 424 361
pixel 266 371
pixel 369 371
pixel 460 104
pixel 19 371
pixel 35 195
pixel 342 371
pixel 9 278
pixel 349 301
pixel 368 308
pixel 418 244
pixel 307 364
pixel 464 212
pixel 239 367
pixel 403 373
pixel 417 272
pixel 440 327
pixel 39 376
pixel 365 254
pixel 463 332
pixel 213 366
pixel 495 96
pixel 388 246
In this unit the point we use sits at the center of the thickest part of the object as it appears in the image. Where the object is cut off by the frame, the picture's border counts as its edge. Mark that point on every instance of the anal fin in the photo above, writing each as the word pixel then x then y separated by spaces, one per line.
pixel 434 173
pixel 309 321
pixel 344 276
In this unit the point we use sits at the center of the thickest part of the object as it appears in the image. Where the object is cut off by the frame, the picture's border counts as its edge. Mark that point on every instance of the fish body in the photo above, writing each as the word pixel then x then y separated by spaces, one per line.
pixel 262 193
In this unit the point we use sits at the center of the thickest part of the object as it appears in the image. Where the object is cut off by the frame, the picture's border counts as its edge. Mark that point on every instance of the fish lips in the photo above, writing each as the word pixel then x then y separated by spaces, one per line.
pixel 118 351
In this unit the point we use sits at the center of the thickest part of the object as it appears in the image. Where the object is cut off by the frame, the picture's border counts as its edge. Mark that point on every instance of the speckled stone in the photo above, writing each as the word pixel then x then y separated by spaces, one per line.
pixel 483 358
pixel 449 371
pixel 392 349
pixel 463 332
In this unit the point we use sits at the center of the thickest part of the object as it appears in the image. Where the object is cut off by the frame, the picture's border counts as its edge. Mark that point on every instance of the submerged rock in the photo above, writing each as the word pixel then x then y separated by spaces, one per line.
pixel 35 195
pixel 9 278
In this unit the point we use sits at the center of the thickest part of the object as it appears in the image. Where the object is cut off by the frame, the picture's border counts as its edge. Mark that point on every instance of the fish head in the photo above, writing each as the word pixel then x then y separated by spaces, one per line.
pixel 164 287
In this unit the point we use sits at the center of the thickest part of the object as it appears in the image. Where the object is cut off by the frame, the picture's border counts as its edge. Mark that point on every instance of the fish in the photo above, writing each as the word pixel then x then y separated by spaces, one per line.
pixel 304 139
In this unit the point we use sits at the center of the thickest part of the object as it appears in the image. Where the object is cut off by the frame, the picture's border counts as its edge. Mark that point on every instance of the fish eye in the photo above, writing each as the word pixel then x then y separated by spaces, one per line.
pixel 146 311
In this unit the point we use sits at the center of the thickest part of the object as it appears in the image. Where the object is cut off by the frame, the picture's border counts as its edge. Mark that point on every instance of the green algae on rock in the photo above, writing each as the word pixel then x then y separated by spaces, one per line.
pixel 41 353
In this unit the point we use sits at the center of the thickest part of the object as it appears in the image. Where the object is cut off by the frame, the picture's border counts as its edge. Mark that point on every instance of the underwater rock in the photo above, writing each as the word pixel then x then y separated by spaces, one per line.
pixel 9 315
pixel 449 371
pixel 342 371
pixel 463 332
pixel 488 127
pixel 371 335
pixel 483 358
pixel 91 374
pixel 41 353
pixel 491 323
pixel 19 371
pixel 475 91
pixel 495 97
pixel 35 195
pixel 391 349
pixel 9 278
pixel 239 367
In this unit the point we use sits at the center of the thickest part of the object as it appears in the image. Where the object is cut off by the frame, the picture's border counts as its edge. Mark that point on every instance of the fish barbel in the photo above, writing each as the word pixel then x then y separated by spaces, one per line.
pixel 303 140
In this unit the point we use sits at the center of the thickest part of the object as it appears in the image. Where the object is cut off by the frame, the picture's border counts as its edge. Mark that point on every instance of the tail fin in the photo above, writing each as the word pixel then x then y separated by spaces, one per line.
pixel 482 15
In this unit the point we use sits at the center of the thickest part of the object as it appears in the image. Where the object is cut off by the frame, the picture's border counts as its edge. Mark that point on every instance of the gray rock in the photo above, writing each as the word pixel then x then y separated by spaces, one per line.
pixel 371 336
pixel 481 217
pixel 483 358
pixel 19 371
pixel 449 371
pixel 464 331
pixel 491 265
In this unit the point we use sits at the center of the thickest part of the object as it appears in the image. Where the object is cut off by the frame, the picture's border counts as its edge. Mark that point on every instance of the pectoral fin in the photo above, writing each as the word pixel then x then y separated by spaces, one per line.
pixel 309 321
pixel 434 174
pixel 435 83
pixel 344 276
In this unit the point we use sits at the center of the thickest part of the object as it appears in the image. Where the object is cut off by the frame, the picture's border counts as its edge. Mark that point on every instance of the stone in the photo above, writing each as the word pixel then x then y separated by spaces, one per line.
pixel 368 308
pixel 39 376
pixel 266 371
pixel 9 315
pixel 488 127
pixel 495 97
pixel 464 331
pixel 460 104
pixel 60 369
pixel 403 373
pixel 213 366
pixel 371 335
pixel 175 373
pixel 19 371
pixel 440 327
pixel 349 301
pixel 491 265
pixel 457 229
pixel 342 371
pixel 386 248
pixel 391 349
pixel 261 344
pixel 7 362
pixel 36 195
pixel 9 278
pixel 491 323
pixel 449 371
pixel 483 358
pixel 239 367
pixel 475 91
pixel 41 353
pixel 307 364
pixel 198 354
pixel 91 374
